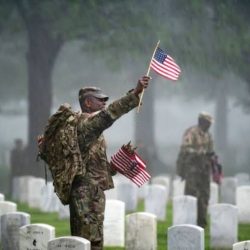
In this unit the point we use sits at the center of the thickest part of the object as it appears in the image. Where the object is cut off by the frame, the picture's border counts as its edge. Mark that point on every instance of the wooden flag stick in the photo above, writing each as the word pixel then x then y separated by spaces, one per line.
pixel 147 74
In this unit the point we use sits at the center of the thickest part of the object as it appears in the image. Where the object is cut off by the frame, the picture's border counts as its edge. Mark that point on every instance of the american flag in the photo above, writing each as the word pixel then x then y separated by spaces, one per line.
pixel 130 165
pixel 165 65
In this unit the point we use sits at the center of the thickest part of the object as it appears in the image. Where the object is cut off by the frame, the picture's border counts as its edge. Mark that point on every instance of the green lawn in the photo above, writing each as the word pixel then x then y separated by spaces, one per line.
pixel 62 226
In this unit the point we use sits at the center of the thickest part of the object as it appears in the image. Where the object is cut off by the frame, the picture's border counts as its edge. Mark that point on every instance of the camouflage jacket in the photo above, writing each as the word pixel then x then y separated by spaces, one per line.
pixel 196 146
pixel 96 167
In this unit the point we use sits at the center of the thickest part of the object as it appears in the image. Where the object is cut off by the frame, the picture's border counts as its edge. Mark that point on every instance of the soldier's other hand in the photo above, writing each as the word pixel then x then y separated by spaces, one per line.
pixel 142 83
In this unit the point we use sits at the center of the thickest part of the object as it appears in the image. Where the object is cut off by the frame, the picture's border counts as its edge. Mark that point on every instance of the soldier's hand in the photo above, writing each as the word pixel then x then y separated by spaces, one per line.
pixel 142 83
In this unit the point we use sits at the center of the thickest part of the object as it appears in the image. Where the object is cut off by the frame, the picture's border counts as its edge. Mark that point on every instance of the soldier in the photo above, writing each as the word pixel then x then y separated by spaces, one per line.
pixel 194 163
pixel 87 201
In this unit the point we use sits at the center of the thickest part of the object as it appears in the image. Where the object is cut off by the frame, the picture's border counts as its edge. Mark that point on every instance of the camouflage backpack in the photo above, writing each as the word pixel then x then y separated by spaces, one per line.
pixel 59 148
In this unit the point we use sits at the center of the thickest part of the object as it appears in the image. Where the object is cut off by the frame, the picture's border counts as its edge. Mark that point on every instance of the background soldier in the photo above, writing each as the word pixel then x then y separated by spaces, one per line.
pixel 194 163
pixel 87 201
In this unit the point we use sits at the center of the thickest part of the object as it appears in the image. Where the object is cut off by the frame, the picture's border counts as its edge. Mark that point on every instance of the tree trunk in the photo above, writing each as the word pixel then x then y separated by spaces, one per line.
pixel 43 49
pixel 221 121
pixel 145 132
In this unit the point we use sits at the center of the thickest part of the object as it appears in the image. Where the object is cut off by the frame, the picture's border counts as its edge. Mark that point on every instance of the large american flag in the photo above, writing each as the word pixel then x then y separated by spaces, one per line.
pixel 130 165
pixel 165 65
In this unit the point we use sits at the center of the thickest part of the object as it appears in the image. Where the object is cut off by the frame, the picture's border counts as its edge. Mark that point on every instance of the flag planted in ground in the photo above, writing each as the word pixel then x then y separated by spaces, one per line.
pixel 127 162
pixel 165 65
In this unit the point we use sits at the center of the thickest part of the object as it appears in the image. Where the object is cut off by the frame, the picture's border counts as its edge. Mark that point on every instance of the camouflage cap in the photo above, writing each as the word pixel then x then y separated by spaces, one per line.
pixel 206 116
pixel 92 91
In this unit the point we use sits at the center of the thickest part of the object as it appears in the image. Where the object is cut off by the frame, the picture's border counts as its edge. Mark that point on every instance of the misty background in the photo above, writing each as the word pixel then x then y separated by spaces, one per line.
pixel 50 49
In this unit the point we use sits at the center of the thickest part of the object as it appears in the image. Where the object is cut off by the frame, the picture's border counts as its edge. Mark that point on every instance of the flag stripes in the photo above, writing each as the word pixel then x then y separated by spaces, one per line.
pixel 131 166
pixel 165 65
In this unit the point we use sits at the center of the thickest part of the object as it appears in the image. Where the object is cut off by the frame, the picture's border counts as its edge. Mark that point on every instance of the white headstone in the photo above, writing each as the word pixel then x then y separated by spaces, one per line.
pixel 63 211
pixel 143 191
pixel 178 186
pixel 164 180
pixel 111 194
pixel 6 207
pixel 184 210
pixel 114 222
pixel 243 204
pixel 35 236
pixel 2 197
pixel 35 186
pixel 214 194
pixel 141 231
pixel 228 190
pixel 156 201
pixel 69 243
pixel 20 191
pixel 49 200
pixel 185 237
pixel 223 225
pixel 242 179
pixel 127 192
pixel 10 224
pixel 243 245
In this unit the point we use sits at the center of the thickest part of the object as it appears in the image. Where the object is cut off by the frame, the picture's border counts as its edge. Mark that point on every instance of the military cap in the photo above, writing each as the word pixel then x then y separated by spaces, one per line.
pixel 206 116
pixel 92 91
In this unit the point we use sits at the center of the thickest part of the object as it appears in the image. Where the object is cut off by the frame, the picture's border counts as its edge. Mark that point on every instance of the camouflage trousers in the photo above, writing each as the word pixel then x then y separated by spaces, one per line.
pixel 198 185
pixel 87 205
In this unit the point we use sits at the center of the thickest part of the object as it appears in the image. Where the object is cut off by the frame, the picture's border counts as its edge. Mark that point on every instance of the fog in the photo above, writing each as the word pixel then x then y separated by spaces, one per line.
pixel 172 116
pixel 176 105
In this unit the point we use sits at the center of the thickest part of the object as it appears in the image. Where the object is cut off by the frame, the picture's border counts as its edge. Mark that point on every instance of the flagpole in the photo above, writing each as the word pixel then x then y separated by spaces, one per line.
pixel 147 74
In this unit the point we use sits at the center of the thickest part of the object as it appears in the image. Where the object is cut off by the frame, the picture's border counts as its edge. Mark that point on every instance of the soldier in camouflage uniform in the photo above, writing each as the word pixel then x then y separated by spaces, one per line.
pixel 87 201
pixel 194 163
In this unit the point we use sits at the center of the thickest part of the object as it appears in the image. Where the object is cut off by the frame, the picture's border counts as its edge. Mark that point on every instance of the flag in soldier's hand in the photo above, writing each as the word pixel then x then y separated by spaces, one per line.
pixel 165 65
pixel 127 162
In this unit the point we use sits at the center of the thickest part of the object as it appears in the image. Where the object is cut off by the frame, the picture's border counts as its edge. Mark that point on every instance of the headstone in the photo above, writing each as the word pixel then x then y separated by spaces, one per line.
pixel 69 243
pixel 178 186
pixel 243 204
pixel 10 225
pixel 63 211
pixel 185 237
pixel 156 201
pixel 243 179
pixel 127 192
pixel 2 197
pixel 243 245
pixel 35 186
pixel 214 194
pixel 6 207
pixel 143 191
pixel 21 188
pixel 114 222
pixel 111 194
pixel 49 200
pixel 184 210
pixel 164 180
pixel 141 231
pixel 228 190
pixel 223 225
pixel 35 236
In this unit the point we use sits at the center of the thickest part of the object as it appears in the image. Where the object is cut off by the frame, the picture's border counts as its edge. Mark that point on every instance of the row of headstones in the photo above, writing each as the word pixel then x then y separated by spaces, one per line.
pixel 36 194
pixel 223 221
pixel 141 234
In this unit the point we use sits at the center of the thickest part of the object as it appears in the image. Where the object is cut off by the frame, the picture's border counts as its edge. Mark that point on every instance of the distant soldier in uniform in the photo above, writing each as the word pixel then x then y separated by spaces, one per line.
pixel 87 201
pixel 194 163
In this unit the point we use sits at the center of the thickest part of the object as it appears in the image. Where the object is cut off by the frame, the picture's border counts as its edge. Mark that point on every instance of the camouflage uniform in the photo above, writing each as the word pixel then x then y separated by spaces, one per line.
pixel 87 202
pixel 193 165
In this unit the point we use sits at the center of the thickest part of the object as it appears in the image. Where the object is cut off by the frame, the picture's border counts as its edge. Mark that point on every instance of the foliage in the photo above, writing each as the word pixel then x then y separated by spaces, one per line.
pixel 208 36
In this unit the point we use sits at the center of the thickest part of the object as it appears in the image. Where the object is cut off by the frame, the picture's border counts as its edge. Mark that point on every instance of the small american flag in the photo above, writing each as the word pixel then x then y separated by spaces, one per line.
pixel 130 165
pixel 165 65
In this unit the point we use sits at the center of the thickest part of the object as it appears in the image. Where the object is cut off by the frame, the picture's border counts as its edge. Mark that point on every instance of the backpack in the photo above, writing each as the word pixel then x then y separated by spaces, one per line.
pixel 58 147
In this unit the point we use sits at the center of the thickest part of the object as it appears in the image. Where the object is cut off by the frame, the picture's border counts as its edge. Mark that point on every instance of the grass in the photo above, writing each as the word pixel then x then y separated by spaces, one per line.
pixel 62 226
